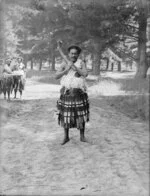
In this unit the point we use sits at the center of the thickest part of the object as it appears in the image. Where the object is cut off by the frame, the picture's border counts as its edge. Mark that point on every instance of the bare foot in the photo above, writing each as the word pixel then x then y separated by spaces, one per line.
pixel 65 141
pixel 83 139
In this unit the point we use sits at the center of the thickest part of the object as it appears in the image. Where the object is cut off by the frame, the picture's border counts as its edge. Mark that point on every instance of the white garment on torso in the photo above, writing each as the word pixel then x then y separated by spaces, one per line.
pixel 71 81
pixel 20 70
pixel 21 66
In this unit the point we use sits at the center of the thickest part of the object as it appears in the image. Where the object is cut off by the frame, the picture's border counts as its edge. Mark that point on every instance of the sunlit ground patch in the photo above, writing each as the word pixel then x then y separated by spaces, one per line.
pixel 41 91
pixel 105 88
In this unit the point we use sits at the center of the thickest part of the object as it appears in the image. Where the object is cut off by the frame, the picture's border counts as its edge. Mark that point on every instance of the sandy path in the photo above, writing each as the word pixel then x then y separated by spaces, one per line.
pixel 114 162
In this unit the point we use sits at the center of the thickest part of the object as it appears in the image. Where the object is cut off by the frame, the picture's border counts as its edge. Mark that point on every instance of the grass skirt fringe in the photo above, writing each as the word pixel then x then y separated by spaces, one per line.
pixel 73 107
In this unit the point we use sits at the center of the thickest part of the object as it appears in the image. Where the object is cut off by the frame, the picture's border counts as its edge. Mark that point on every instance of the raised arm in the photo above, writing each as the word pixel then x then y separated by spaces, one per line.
pixel 63 70
pixel 59 44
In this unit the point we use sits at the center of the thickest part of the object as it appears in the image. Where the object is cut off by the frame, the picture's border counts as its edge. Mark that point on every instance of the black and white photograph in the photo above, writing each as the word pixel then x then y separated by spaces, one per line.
pixel 74 97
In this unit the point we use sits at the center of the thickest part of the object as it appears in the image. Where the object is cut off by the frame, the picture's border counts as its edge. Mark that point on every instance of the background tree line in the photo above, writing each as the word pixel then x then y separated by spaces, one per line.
pixel 32 28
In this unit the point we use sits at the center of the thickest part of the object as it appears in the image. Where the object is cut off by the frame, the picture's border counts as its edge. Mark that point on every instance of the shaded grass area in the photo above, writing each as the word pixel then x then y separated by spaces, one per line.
pixel 131 105
pixel 139 85
pixel 134 103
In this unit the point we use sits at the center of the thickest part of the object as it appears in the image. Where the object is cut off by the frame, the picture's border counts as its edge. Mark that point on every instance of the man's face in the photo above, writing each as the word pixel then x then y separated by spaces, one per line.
pixel 19 60
pixel 73 55
pixel 8 62
pixel 15 61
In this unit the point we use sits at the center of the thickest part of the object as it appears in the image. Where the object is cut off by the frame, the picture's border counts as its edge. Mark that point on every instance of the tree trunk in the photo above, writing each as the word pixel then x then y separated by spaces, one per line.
pixel 131 65
pixel 96 59
pixel 2 38
pixel 142 59
pixel 112 66
pixel 40 67
pixel 119 66
pixel 53 60
pixel 25 60
pixel 32 64
pixel 96 64
pixel 107 64
pixel 49 62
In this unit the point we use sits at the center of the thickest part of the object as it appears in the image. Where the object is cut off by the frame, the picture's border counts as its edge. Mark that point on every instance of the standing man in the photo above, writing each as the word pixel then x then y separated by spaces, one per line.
pixel 22 71
pixel 7 68
pixel 6 84
pixel 73 105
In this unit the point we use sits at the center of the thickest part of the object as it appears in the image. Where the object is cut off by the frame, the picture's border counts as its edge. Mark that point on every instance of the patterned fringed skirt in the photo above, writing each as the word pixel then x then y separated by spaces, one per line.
pixel 6 83
pixel 73 107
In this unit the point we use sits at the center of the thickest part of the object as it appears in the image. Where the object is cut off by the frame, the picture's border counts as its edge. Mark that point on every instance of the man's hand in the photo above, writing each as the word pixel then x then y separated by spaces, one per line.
pixel 68 66
pixel 59 43
pixel 73 67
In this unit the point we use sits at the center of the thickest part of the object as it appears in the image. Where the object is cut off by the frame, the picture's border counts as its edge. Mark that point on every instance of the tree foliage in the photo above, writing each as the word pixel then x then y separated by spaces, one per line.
pixel 94 25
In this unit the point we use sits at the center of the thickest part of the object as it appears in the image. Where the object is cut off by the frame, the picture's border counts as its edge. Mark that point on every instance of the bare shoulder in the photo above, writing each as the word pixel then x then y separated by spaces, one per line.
pixel 5 66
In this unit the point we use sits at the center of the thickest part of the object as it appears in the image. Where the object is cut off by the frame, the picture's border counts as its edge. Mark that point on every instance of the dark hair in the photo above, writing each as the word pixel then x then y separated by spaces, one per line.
pixel 8 59
pixel 20 58
pixel 75 47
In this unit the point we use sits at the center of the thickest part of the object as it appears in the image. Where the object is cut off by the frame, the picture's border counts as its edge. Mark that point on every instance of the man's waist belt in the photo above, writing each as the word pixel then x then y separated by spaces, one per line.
pixel 71 91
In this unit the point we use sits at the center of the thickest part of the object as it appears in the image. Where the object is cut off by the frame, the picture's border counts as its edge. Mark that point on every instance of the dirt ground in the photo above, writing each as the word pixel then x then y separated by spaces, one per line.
pixel 114 162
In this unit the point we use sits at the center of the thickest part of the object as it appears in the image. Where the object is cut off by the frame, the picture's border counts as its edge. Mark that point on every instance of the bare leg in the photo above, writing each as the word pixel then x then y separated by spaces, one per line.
pixel 4 95
pixel 22 82
pixel 82 136
pixel 15 93
pixel 66 136
pixel 20 94
pixel 11 89
pixel 15 89
pixel 8 93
